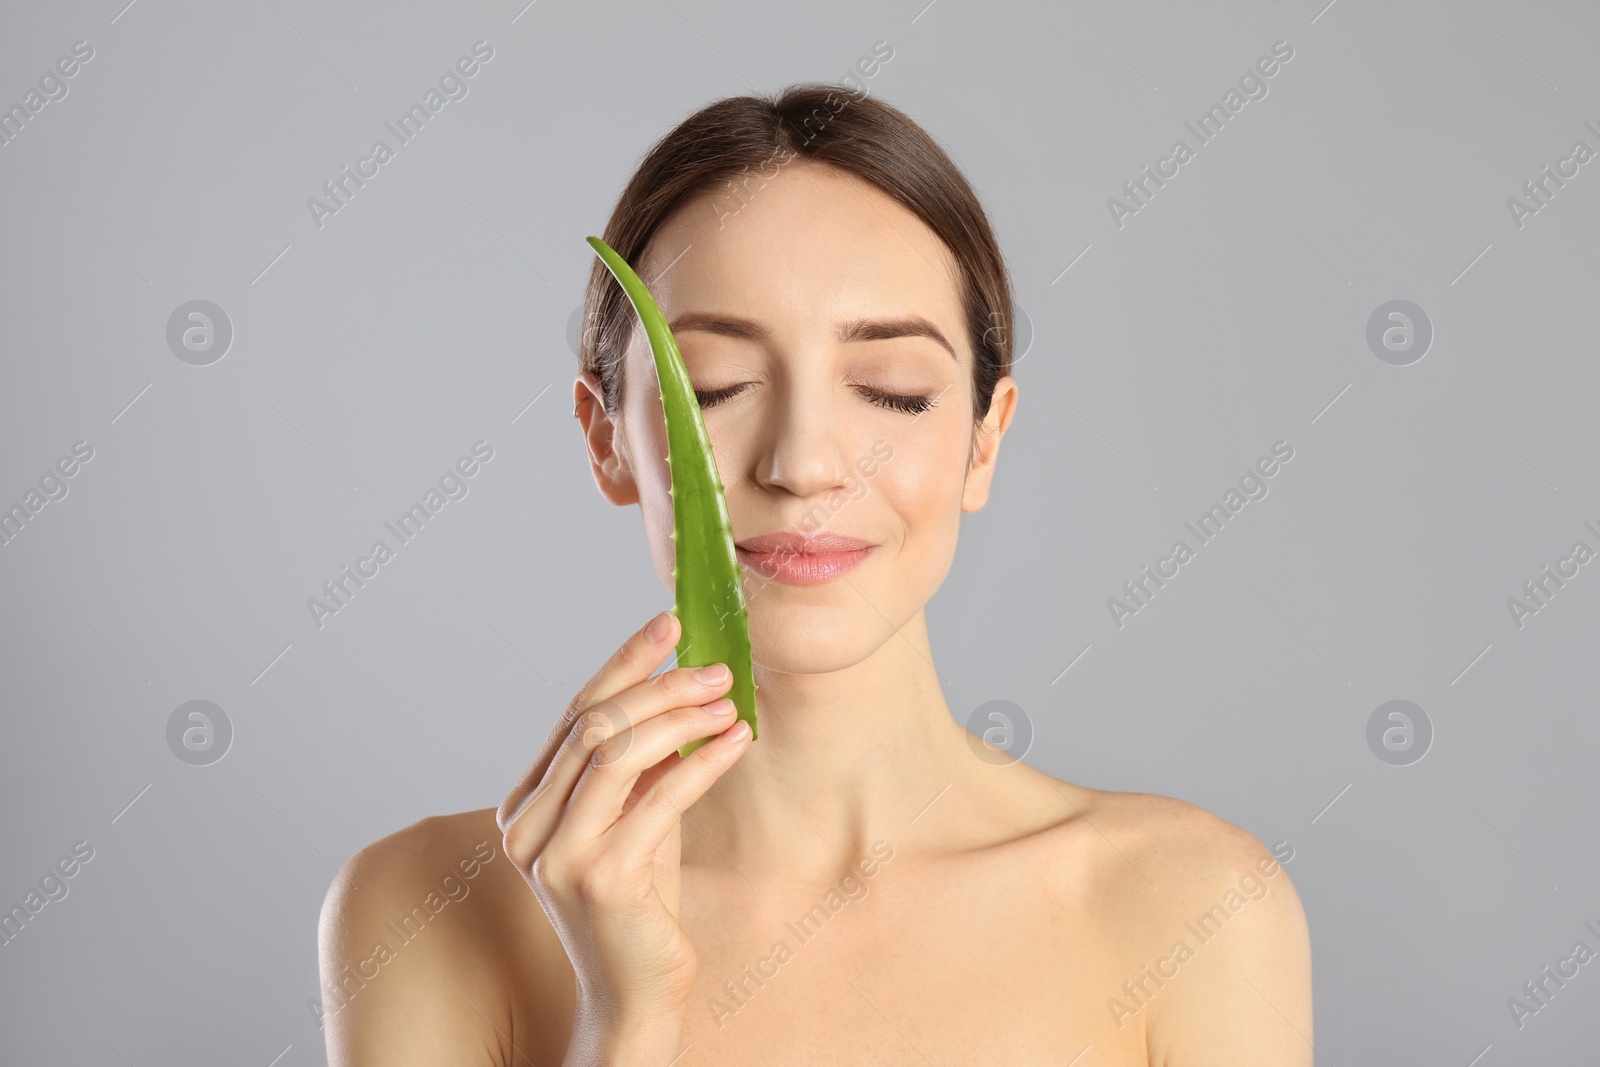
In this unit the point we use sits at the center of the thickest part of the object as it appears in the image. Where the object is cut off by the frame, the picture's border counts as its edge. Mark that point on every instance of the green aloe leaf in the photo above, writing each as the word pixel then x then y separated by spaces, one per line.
pixel 708 593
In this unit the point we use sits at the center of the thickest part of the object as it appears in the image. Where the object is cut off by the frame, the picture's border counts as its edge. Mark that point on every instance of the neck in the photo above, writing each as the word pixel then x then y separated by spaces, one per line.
pixel 843 760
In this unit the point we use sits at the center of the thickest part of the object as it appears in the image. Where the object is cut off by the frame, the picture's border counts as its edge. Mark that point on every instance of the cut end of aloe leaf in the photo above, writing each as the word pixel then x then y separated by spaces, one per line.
pixel 708 591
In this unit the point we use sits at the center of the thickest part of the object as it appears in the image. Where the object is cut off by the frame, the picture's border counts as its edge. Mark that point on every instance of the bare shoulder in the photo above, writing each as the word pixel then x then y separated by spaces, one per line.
pixel 1218 961
pixel 1183 842
pixel 408 969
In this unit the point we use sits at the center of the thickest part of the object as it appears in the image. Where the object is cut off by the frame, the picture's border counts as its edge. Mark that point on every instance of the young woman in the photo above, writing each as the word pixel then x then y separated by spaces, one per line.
pixel 867 882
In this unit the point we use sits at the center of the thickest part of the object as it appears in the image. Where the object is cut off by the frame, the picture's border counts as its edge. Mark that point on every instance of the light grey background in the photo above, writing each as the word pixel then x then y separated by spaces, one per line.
pixel 368 355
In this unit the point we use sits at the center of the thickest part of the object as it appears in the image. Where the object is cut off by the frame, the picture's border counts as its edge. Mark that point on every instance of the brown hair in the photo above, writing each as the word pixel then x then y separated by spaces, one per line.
pixel 730 142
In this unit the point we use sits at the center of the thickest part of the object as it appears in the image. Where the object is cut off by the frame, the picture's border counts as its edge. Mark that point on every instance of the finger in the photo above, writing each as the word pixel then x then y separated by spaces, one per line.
pixel 610 722
pixel 601 793
pixel 645 781
pixel 648 778
pixel 631 664
pixel 541 816
pixel 646 825
pixel 641 654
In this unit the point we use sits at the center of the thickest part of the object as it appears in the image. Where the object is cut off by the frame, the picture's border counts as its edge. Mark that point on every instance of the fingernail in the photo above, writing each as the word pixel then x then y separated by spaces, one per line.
pixel 737 732
pixel 658 627
pixel 712 674
pixel 720 707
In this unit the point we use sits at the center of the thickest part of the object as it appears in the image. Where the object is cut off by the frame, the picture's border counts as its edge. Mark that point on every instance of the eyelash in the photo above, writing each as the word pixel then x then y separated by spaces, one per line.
pixel 906 404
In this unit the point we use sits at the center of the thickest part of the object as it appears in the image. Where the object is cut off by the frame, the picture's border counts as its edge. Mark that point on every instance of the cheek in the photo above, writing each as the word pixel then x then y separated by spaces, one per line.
pixel 645 430
pixel 922 482
pixel 646 439
pixel 648 455
pixel 921 487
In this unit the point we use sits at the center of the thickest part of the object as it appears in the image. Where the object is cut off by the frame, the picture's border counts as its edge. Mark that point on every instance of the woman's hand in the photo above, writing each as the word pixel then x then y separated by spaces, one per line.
pixel 595 828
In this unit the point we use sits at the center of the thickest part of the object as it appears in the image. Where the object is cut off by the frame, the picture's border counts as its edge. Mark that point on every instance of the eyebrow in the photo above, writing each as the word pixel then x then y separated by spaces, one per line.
pixel 850 330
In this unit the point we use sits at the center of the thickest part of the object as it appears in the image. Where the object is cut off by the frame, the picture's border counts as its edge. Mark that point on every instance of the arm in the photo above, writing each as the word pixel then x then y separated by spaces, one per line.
pixel 390 1001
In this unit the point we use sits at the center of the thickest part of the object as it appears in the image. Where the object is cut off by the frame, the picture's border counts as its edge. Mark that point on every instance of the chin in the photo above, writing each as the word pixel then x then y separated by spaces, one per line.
pixel 787 640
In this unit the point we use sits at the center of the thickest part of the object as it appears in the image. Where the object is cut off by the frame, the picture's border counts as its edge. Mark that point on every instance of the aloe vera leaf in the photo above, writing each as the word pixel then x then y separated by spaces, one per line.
pixel 708 595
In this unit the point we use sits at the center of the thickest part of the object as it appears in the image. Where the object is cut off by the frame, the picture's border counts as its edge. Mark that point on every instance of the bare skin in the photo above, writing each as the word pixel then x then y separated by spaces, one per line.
pixel 858 885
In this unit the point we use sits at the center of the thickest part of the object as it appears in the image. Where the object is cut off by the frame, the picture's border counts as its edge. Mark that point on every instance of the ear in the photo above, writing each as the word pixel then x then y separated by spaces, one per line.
pixel 986 444
pixel 608 458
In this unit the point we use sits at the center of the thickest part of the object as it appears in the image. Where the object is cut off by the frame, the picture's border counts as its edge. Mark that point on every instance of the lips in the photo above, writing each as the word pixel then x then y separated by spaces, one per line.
pixel 797 560
pixel 785 543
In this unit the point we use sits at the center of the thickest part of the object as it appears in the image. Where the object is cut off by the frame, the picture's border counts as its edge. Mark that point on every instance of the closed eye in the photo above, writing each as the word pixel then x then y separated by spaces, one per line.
pixel 910 404
pixel 713 397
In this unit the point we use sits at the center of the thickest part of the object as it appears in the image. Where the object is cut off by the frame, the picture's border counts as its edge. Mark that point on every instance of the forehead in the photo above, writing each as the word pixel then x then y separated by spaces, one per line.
pixel 802 251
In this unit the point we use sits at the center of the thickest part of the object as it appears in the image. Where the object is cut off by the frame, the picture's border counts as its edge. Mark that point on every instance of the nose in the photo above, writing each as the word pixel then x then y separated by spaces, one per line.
pixel 804 446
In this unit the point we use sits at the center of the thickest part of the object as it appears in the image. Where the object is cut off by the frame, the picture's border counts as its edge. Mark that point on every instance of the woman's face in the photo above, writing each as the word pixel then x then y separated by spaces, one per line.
pixel 820 423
